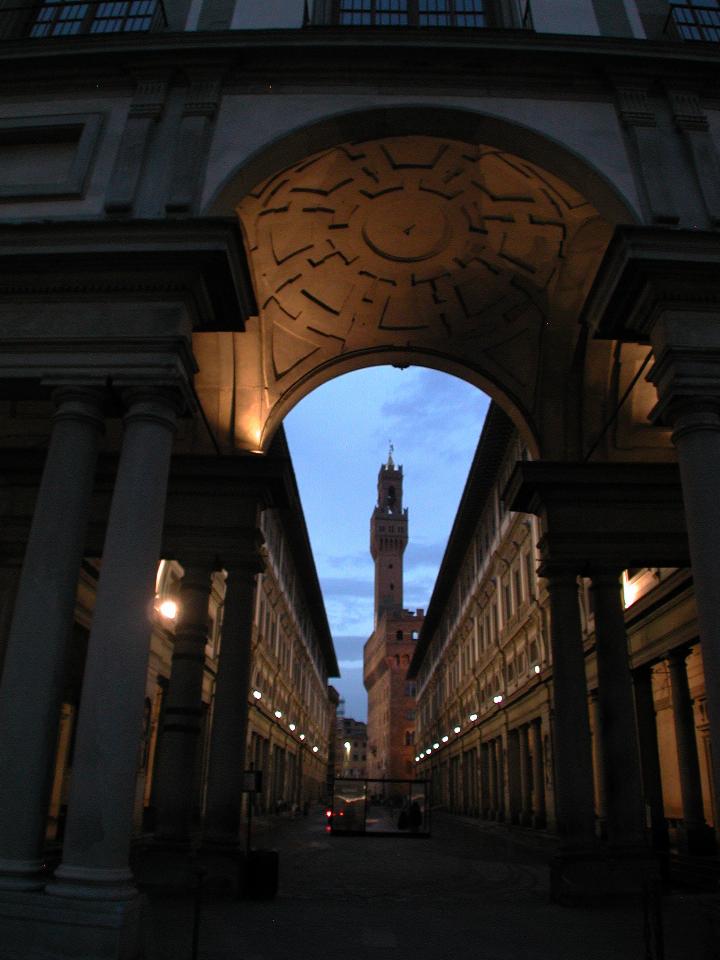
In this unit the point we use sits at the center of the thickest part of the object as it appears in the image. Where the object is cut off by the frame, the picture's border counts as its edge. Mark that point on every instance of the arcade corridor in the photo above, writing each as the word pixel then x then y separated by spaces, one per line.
pixel 467 893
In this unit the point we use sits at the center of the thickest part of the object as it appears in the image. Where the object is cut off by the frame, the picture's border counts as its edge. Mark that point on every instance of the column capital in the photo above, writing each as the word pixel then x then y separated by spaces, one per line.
pixel 558 574
pixel 80 402
pixel 605 578
pixel 678 656
pixel 159 404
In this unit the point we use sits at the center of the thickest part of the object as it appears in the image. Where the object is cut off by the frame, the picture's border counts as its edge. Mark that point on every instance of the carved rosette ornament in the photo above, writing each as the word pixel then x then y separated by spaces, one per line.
pixel 414 243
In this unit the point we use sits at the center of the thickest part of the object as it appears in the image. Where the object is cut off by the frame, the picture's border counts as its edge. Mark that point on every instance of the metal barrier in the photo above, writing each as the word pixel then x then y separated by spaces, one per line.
pixel 383 808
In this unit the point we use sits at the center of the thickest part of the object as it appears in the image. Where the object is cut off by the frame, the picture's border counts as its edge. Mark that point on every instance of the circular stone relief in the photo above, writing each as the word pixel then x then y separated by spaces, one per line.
pixel 406 229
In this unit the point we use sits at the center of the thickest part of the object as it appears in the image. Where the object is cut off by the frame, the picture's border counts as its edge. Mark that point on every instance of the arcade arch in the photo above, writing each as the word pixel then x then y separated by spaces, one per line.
pixel 419 248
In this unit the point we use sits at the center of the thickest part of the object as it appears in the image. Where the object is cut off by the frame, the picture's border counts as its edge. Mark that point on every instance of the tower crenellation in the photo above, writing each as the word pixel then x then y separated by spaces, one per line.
pixel 388 652
pixel 388 538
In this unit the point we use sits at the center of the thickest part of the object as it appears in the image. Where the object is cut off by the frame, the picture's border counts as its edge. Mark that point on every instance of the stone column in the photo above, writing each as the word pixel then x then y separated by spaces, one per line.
pixel 696 436
pixel 183 709
pixel 9 582
pixel 32 680
pixel 526 774
pixel 620 749
pixel 230 715
pixel 500 780
pixel 538 780
pixel 514 774
pixel 485 795
pixel 102 791
pixel 492 781
pixel 686 346
pixel 598 764
pixel 571 725
pixel 650 756
pixel 695 833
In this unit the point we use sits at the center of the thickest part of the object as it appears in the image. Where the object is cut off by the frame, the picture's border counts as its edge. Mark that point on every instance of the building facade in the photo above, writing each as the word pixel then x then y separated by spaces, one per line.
pixel 486 696
pixel 389 650
pixel 207 209
pixel 351 744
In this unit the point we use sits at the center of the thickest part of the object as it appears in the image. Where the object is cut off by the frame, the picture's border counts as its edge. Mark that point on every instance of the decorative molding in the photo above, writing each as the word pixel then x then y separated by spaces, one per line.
pixel 201 102
pixel 637 113
pixel 145 110
pixel 414 242
pixel 82 130
pixel 634 105
pixel 687 111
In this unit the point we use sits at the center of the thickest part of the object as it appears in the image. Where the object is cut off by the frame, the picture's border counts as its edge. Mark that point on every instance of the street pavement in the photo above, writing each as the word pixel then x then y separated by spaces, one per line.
pixel 470 892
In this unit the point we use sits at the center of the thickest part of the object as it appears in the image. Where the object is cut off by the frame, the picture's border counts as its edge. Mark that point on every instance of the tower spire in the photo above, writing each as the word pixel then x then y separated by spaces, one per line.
pixel 390 461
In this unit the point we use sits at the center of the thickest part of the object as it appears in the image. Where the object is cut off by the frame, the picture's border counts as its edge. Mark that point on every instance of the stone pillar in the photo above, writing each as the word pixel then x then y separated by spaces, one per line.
pixel 650 756
pixel 183 709
pixel 514 788
pixel 230 715
pixel 696 836
pixel 526 774
pixel 9 582
pixel 538 779
pixel 102 791
pixel 485 795
pixel 696 436
pixel 571 725
pixel 500 780
pixel 620 749
pixel 686 346
pixel 32 680
pixel 492 780
pixel 598 765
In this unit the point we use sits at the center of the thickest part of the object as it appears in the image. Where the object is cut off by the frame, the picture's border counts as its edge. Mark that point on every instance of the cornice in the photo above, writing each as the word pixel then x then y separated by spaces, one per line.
pixel 202 259
pixel 357 57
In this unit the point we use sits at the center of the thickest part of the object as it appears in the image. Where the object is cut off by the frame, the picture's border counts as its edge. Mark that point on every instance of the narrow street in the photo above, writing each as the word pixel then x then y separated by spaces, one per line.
pixel 467 893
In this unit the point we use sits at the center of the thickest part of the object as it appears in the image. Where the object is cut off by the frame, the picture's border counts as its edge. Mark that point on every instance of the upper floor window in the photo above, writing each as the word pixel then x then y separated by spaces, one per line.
pixel 415 13
pixel 63 18
pixel 695 20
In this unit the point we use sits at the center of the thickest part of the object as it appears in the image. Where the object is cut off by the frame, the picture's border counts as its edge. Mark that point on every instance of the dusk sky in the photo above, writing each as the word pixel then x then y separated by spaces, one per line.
pixel 339 437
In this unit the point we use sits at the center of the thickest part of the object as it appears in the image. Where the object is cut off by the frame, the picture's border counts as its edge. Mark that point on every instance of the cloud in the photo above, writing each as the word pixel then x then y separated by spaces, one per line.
pixel 350 664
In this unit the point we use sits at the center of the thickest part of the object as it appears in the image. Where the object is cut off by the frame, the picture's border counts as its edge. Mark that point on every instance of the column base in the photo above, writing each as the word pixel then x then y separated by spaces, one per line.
pixel 23 874
pixel 35 926
pixel 92 883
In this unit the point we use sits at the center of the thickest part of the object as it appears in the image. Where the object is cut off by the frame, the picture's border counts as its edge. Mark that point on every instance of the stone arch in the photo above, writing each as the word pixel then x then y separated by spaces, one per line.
pixel 423 119
pixel 418 235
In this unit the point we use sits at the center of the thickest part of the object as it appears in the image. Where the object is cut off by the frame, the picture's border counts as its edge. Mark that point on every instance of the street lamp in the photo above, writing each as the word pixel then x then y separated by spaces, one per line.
pixel 168 609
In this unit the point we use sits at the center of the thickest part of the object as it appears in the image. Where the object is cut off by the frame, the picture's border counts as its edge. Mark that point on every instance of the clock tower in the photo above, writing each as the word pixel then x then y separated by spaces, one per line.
pixel 388 652
pixel 388 538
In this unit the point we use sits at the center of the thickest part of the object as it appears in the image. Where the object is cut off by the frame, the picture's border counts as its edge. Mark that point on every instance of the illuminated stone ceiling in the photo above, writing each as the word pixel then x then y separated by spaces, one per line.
pixel 417 244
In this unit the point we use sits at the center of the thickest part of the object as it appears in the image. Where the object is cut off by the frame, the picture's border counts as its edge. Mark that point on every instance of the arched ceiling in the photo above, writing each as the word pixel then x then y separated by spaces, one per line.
pixel 413 247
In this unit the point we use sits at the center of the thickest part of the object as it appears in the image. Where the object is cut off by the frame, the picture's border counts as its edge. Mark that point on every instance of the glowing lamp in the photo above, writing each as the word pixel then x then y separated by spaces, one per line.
pixel 168 609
